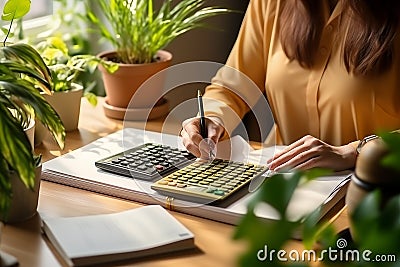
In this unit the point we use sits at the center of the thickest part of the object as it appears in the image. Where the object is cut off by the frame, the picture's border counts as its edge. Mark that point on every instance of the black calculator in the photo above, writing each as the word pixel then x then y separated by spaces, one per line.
pixel 147 161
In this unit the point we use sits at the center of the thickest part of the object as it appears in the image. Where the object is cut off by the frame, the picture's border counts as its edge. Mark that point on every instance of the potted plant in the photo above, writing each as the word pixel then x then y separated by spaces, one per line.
pixel 67 90
pixel 139 33
pixel 23 74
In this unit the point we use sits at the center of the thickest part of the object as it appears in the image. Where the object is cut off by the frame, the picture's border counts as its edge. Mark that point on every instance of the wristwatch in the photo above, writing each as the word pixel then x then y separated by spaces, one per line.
pixel 364 141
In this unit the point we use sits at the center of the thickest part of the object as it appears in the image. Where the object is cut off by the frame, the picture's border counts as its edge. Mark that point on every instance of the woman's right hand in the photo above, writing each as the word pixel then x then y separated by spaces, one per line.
pixel 194 142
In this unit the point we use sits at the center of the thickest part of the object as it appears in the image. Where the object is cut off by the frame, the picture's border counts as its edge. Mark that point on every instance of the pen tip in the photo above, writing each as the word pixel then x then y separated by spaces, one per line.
pixel 199 93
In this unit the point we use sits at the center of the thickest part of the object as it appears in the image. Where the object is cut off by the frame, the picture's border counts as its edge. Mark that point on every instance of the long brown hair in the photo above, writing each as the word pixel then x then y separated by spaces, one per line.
pixel 369 42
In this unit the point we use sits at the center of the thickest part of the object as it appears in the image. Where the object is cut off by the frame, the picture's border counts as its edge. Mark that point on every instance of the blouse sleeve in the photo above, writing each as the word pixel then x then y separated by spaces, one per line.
pixel 240 83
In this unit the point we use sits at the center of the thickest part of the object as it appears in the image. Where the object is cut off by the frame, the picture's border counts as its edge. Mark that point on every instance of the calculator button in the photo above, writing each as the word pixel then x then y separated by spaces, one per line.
pixel 132 165
pixel 216 184
pixel 141 167
pixel 159 167
pixel 219 192
pixel 227 187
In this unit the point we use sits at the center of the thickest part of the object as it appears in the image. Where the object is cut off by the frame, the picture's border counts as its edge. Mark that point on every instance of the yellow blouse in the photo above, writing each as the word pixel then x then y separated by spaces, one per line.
pixel 324 101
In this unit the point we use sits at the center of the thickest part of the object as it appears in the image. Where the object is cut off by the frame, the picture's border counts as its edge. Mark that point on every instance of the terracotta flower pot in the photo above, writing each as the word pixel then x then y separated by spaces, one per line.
pixel 122 85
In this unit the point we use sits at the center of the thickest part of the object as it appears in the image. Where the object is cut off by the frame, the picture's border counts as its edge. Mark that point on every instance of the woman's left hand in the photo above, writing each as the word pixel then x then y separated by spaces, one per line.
pixel 310 152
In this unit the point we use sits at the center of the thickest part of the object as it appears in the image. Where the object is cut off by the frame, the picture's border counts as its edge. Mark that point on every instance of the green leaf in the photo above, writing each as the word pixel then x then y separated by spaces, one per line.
pixel 315 231
pixel 391 213
pixel 366 213
pixel 15 67
pixel 310 229
pixel 91 98
pixel 4 30
pixel 376 227
pixel 260 233
pixel 392 160
pixel 15 147
pixel 28 56
pixel 15 9
pixel 277 191
pixel 5 186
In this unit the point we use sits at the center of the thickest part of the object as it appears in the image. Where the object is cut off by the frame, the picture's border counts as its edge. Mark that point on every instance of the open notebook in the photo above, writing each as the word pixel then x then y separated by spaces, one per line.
pixel 77 169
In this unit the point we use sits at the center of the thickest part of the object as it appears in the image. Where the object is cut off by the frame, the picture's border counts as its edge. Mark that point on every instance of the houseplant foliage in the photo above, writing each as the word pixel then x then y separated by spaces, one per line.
pixel 23 74
pixel 70 26
pixel 277 192
pixel 138 31
pixel 65 68
pixel 377 226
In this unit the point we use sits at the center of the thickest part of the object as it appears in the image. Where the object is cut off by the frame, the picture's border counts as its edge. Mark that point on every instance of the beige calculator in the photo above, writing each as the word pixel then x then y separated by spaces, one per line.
pixel 209 180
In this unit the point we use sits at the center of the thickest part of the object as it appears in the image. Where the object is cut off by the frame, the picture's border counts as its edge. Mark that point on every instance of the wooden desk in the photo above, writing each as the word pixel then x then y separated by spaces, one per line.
pixel 25 241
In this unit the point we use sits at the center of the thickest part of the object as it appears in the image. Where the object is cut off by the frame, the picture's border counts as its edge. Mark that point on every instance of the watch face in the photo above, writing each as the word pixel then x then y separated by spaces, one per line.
pixel 360 145
pixel 364 141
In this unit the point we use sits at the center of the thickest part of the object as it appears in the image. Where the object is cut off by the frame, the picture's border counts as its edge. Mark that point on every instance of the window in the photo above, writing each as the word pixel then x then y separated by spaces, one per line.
pixel 39 8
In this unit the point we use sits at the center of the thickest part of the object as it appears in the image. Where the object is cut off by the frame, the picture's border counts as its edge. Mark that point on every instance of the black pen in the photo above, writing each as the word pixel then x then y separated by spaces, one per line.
pixel 203 129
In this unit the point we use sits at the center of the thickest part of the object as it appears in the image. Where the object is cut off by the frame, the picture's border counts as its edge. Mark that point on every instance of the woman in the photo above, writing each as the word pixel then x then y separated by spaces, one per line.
pixel 329 69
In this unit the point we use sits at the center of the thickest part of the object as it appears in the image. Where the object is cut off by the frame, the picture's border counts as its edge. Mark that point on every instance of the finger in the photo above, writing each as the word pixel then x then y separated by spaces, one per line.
pixel 311 163
pixel 214 133
pixel 297 160
pixel 192 129
pixel 190 145
pixel 215 130
pixel 287 149
pixel 188 121
pixel 193 140
pixel 288 156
